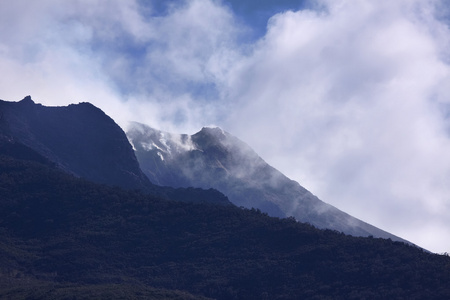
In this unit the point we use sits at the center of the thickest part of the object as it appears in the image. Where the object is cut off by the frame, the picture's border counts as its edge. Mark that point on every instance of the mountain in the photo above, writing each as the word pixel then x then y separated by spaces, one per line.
pixel 82 140
pixel 63 237
pixel 213 158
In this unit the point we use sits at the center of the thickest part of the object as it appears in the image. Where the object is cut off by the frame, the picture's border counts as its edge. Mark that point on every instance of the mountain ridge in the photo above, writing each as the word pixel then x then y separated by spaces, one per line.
pixel 214 158
pixel 62 236
pixel 82 140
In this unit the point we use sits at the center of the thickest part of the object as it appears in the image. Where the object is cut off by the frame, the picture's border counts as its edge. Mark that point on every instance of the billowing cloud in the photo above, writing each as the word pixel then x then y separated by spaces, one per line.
pixel 350 98
pixel 46 50
pixel 129 59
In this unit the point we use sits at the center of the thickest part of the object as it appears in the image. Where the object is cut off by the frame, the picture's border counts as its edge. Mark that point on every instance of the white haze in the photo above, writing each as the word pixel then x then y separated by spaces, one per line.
pixel 349 98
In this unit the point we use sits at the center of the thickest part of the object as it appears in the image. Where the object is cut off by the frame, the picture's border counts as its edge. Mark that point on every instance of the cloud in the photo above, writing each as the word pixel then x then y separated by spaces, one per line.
pixel 134 62
pixel 186 61
pixel 350 98
pixel 47 52
pixel 347 100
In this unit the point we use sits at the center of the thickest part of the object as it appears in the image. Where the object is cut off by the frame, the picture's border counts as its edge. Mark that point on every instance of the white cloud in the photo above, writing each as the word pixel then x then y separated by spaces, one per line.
pixel 121 56
pixel 347 101
pixel 46 53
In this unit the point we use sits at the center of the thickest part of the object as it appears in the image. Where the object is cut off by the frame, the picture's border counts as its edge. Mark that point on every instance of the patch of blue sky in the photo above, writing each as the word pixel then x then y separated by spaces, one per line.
pixel 257 13
pixel 252 13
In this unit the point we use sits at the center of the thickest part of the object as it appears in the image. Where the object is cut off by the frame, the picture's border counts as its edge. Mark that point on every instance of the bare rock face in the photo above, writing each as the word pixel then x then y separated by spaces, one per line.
pixel 213 158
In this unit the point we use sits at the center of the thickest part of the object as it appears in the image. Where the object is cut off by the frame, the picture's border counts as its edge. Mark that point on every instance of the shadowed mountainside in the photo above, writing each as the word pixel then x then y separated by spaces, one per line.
pixel 63 237
pixel 213 158
pixel 82 140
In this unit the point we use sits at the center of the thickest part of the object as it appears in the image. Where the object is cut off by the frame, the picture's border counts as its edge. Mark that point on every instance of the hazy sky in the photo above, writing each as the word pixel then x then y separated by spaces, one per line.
pixel 349 98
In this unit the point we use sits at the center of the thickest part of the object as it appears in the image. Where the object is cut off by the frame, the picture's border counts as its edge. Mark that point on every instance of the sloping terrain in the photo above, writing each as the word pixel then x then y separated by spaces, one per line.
pixel 68 237
pixel 213 158
pixel 79 138
pixel 82 140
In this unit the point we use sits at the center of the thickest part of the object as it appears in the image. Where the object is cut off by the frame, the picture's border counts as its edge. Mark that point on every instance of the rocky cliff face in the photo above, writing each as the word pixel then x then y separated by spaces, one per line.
pixel 213 158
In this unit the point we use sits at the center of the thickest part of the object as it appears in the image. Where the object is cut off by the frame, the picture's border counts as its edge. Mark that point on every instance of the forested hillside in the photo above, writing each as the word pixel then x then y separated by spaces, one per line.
pixel 61 236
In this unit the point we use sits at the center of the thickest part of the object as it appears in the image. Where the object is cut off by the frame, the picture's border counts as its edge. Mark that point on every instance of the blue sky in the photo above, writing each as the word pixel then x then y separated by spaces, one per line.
pixel 349 98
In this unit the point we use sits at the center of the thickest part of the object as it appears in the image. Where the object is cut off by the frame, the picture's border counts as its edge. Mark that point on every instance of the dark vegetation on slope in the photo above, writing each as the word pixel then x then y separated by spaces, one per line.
pixel 62 236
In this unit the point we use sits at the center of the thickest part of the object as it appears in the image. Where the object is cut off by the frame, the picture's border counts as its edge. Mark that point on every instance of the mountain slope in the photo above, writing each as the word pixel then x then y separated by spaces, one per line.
pixel 213 158
pixel 62 237
pixel 82 140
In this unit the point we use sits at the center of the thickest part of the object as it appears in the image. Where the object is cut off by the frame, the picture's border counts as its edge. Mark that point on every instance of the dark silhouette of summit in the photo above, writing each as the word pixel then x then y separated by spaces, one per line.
pixel 82 140
pixel 79 138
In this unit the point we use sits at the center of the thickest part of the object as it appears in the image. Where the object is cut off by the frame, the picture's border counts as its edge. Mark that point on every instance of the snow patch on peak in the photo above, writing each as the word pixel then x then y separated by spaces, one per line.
pixel 131 143
pixel 163 141
pixel 160 155
pixel 163 144
pixel 150 146
pixel 170 144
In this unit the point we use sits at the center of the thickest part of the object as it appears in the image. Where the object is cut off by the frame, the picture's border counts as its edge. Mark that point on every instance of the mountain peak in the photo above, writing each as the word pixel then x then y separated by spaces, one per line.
pixel 213 131
pixel 81 139
pixel 164 144
pixel 27 100
pixel 210 136
pixel 221 161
